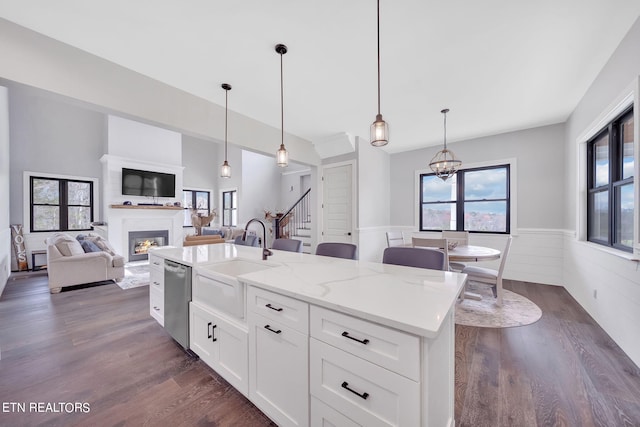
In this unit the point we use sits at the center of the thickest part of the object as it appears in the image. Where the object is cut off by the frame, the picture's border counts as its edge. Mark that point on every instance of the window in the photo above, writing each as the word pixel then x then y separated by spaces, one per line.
pixel 475 200
pixel 193 199
pixel 229 208
pixel 60 204
pixel 610 199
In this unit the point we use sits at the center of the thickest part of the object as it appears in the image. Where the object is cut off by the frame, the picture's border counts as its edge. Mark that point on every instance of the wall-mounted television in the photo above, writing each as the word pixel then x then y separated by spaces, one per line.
pixel 146 183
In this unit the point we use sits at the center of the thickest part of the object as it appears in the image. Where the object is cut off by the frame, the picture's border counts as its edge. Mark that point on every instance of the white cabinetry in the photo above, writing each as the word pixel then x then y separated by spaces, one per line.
pixel 368 373
pixel 279 356
pixel 156 288
pixel 221 343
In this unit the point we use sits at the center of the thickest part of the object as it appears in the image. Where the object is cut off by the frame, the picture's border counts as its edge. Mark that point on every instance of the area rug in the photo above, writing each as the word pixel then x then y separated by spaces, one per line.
pixel 136 274
pixel 516 310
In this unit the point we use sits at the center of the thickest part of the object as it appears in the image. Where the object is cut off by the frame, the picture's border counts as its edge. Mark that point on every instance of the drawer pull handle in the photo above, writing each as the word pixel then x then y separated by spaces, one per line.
pixel 363 395
pixel 346 335
pixel 214 339
pixel 272 330
pixel 209 331
pixel 155 307
pixel 156 283
pixel 273 308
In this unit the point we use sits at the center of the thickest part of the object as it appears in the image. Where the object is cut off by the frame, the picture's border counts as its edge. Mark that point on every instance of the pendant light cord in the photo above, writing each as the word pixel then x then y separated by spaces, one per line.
pixel 226 109
pixel 378 57
pixel 445 131
pixel 281 102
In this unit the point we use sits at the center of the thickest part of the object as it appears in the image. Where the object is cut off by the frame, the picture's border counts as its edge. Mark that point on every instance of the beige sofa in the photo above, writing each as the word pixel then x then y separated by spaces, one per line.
pixel 68 264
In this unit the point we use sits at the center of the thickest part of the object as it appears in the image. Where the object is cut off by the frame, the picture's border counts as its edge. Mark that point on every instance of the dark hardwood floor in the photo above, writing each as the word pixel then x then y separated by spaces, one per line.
pixel 99 346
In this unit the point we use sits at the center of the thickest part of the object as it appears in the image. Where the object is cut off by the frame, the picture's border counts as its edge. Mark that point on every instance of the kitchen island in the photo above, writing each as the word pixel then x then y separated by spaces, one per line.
pixel 312 340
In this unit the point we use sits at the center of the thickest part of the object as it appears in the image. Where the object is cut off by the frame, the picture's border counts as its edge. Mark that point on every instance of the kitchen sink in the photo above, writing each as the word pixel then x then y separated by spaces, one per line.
pixel 238 266
pixel 216 284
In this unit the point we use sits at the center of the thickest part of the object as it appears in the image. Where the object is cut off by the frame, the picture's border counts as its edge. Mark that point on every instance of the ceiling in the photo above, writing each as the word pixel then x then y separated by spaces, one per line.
pixel 499 65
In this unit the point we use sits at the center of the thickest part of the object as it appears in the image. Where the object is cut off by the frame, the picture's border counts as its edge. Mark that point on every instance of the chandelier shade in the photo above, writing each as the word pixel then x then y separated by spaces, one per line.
pixel 445 164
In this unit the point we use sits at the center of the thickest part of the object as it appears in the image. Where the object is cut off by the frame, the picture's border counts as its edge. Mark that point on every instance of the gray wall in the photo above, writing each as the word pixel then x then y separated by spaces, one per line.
pixel 260 186
pixel 620 71
pixel 5 234
pixel 201 164
pixel 541 172
pixel 51 136
pixel 374 187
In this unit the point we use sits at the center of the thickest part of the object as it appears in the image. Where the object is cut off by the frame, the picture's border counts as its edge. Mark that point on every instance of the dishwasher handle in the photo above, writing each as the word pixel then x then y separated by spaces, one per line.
pixel 175 268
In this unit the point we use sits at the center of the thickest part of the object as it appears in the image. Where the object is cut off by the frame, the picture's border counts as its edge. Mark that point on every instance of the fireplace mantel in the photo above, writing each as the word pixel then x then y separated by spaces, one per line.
pixel 173 208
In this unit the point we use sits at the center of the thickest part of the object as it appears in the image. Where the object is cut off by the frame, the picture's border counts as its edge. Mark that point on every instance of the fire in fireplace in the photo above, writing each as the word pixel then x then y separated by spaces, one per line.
pixel 141 241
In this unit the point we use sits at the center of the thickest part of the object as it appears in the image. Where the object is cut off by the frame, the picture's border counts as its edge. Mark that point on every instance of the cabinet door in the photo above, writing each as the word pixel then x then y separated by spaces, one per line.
pixel 278 371
pixel 221 345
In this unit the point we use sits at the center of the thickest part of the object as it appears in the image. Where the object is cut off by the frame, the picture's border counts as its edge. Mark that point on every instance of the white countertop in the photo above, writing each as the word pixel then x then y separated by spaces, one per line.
pixel 414 300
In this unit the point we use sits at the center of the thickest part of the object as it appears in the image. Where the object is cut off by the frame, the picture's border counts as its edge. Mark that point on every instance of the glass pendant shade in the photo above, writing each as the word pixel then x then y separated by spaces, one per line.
pixel 379 132
pixel 282 156
pixel 225 170
pixel 444 164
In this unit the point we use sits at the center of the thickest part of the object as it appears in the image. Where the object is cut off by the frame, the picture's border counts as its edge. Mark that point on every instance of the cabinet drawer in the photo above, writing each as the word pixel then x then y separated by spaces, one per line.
pixel 389 348
pixel 364 392
pixel 289 311
pixel 156 305
pixel 227 296
pixel 156 279
pixel 156 263
pixel 323 415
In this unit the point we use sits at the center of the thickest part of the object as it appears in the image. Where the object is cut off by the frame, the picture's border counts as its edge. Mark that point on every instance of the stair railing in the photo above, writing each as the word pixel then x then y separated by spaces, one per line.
pixel 295 218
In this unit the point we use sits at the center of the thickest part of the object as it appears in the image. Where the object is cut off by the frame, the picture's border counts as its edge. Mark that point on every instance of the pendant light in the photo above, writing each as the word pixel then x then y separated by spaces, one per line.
pixel 379 128
pixel 282 156
pixel 444 163
pixel 225 169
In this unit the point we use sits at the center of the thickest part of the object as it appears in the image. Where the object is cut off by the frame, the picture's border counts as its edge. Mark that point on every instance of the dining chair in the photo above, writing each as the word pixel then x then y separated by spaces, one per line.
pixel 337 250
pixel 291 245
pixel 462 239
pixel 439 244
pixel 394 238
pixel 415 257
pixel 248 241
pixel 489 276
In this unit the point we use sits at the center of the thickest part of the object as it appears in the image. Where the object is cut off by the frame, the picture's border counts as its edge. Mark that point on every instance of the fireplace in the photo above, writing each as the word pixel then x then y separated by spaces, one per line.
pixel 141 241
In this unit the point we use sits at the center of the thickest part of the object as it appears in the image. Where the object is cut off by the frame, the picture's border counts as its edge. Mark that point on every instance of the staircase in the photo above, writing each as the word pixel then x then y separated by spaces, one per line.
pixel 296 222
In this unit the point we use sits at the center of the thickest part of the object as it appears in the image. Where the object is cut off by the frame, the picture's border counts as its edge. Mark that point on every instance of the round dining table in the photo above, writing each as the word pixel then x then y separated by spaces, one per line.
pixel 468 253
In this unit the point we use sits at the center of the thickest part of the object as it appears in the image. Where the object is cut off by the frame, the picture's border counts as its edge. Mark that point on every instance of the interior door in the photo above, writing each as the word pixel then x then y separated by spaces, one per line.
pixel 337 204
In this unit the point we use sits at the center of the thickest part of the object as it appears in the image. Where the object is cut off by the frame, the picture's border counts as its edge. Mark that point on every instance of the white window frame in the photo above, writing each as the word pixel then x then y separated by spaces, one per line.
pixel 629 96
pixel 513 187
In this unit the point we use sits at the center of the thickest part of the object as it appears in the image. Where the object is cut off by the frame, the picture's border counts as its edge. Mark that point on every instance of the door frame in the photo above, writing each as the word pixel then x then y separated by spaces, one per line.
pixel 354 198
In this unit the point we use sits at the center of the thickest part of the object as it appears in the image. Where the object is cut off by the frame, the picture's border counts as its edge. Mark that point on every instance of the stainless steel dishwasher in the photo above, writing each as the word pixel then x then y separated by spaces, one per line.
pixel 177 295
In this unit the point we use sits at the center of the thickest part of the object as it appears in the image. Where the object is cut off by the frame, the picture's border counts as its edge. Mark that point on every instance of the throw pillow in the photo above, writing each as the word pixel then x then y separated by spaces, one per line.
pixel 89 246
pixel 212 232
pixel 103 244
pixel 70 247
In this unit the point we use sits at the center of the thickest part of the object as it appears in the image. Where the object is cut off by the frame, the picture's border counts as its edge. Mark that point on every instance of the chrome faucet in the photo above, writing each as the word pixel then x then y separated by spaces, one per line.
pixel 265 252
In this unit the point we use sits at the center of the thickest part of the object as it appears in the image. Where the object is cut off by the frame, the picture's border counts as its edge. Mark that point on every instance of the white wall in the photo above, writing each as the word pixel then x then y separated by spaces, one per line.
pixel 5 233
pixel 605 282
pixel 35 60
pixel 374 206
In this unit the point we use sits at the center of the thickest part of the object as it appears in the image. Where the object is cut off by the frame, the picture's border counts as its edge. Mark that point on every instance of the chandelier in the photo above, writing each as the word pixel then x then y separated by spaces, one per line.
pixel 444 164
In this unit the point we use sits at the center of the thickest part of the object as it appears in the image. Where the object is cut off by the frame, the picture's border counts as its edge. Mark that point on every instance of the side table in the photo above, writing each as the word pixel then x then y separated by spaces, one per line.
pixel 34 266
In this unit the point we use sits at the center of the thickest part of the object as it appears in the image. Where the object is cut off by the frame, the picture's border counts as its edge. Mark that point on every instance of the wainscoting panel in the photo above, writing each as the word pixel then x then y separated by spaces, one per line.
pixel 607 286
